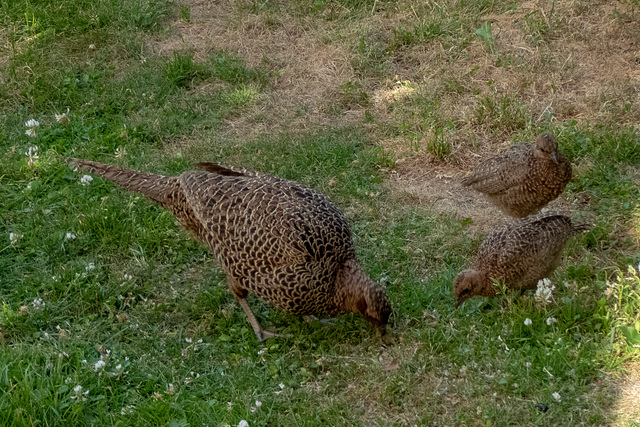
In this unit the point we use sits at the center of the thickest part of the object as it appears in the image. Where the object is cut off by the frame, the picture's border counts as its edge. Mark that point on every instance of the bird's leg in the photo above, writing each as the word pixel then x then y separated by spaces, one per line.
pixel 261 334
pixel 309 318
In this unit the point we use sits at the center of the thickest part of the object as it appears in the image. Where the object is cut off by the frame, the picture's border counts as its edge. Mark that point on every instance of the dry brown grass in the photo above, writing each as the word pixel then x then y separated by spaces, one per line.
pixel 584 67
pixel 309 70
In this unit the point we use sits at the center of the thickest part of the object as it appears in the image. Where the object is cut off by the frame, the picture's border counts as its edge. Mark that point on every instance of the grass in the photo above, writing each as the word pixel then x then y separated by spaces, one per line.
pixel 102 289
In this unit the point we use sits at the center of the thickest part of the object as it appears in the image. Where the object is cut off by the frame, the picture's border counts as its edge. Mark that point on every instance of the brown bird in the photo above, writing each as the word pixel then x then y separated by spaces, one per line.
pixel 285 243
pixel 522 179
pixel 518 254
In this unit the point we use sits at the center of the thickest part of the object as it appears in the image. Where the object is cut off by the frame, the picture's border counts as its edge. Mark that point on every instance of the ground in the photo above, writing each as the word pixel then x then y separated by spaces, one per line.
pixel 381 105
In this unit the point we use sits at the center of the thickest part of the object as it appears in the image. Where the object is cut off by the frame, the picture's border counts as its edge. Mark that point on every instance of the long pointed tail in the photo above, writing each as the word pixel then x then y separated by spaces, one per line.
pixel 154 186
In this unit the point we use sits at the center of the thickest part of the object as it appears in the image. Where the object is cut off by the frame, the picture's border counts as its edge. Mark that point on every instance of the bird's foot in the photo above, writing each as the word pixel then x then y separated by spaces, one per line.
pixel 310 319
pixel 266 334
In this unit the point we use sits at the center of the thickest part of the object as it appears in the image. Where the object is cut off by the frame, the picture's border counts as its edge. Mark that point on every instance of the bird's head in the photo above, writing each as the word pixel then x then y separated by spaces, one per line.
pixel 547 147
pixel 375 306
pixel 358 293
pixel 467 284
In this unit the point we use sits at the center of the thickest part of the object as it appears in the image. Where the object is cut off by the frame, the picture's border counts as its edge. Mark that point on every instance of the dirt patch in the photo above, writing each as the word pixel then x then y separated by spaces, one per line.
pixel 435 185
pixel 626 389
pixel 438 187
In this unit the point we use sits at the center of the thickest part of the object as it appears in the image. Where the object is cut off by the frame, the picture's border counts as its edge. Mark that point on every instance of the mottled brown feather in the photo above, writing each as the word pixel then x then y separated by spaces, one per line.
pixel 524 178
pixel 274 238
pixel 518 254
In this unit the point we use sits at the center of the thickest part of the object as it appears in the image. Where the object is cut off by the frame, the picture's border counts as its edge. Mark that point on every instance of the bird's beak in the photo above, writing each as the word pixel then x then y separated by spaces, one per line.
pixel 459 302
pixel 554 157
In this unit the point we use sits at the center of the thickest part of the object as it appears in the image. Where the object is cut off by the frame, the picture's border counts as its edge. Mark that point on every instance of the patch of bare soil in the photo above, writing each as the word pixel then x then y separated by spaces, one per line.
pixel 625 388
pixel 437 186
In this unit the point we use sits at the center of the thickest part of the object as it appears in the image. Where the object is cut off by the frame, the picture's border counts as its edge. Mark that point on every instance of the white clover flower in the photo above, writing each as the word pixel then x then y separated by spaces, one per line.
pixel 14 237
pixel 528 364
pixel 99 365
pixel 544 292
pixel 556 396
pixel 527 322
pixel 90 267
pixel 551 320
pixel 255 408
pixel 31 124
pixel 610 288
pixel 243 423
pixel 78 389
pixel 188 340
pixel 86 180
pixel 32 152
pixel 281 385
pixel 38 304
pixel 69 236
pixel 118 367
pixel 68 380
pixel 261 352
pixel 128 276
pixel 126 410
pixel 63 119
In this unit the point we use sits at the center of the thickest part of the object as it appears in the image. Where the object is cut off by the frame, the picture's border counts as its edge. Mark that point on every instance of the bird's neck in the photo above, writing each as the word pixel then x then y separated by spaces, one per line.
pixel 352 286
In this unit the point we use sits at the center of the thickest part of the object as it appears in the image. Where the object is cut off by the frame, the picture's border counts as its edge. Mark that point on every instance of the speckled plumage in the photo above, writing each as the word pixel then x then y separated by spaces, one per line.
pixel 517 254
pixel 283 242
pixel 524 178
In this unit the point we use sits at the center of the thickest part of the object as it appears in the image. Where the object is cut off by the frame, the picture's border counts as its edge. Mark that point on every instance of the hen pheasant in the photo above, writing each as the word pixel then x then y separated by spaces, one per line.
pixel 522 179
pixel 517 254
pixel 285 243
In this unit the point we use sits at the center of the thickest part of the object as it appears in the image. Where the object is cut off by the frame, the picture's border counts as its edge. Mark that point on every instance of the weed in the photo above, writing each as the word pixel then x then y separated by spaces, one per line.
pixel 232 69
pixel 185 13
pixel 353 94
pixel 486 35
pixel 182 71
pixel 501 113
pixel 371 58
pixel 438 145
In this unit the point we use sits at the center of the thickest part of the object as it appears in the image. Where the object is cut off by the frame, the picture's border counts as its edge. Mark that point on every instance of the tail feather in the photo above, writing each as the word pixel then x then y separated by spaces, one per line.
pixel 217 169
pixel 154 186
pixel 581 228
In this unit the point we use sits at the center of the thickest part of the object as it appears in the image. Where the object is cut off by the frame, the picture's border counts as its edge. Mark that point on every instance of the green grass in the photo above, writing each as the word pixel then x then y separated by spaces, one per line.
pixel 97 274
